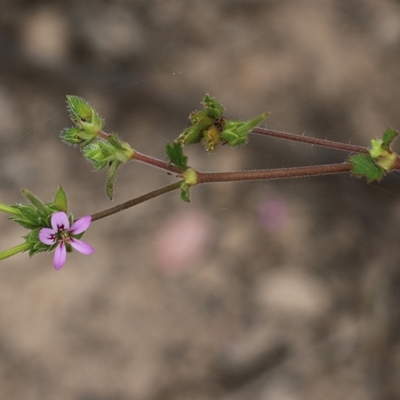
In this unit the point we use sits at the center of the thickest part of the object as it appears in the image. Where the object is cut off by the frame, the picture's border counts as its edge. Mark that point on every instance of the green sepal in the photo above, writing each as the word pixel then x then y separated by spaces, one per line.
pixel 111 177
pixel 190 135
pixel 365 166
pixel 175 155
pixel 236 133
pixel 60 199
pixel 96 153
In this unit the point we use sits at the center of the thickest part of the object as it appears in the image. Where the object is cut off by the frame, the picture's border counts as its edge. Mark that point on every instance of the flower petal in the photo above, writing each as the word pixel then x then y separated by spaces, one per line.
pixel 80 246
pixel 81 225
pixel 59 221
pixel 47 236
pixel 60 255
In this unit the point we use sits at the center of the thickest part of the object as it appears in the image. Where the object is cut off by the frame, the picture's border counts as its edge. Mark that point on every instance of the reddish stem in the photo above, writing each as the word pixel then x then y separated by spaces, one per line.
pixel 310 140
pixel 156 162
pixel 295 172
pixel 135 201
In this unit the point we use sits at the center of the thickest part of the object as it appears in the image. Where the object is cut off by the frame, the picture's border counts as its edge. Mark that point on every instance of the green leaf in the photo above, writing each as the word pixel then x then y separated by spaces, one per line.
pixel 24 223
pixel 111 177
pixel 60 199
pixel 176 156
pixel 388 137
pixel 31 216
pixel 365 166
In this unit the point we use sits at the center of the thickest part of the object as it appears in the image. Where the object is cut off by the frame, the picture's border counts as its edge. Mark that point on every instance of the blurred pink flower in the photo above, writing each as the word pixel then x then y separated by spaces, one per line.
pixel 181 240
pixel 273 213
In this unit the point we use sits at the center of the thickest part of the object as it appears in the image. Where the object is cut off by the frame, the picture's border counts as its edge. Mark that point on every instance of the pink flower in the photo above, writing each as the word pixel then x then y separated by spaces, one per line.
pixel 62 234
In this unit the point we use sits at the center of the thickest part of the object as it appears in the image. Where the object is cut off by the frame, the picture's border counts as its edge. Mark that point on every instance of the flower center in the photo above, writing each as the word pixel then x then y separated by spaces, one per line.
pixel 63 236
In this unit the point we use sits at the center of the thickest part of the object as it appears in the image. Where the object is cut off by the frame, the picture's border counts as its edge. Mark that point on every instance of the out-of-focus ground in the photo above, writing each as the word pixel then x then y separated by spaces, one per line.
pixel 267 290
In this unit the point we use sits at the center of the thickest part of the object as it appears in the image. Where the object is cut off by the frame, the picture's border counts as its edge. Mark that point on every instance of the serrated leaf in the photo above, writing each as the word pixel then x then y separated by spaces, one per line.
pixel 365 166
pixel 60 199
pixel 25 223
pixel 111 177
pixel 176 156
pixel 31 218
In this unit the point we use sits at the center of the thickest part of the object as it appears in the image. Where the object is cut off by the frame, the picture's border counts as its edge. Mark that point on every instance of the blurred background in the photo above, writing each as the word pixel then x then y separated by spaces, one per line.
pixel 279 290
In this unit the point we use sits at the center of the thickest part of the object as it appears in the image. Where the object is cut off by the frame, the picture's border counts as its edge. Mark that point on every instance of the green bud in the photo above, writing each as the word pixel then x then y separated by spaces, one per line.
pixel 95 154
pixel 103 152
pixel 213 108
pixel 84 115
pixel 381 151
pixel 35 200
pixel 211 138
pixel 237 132
pixel 123 150
pixel 77 136
pixel 190 135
